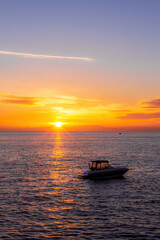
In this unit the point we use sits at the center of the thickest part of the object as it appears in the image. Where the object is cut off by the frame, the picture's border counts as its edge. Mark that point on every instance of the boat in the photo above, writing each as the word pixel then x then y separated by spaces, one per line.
pixel 101 169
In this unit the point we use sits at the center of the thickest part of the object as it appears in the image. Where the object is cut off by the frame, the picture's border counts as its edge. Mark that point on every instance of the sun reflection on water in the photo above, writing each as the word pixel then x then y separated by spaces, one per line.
pixel 58 172
pixel 58 152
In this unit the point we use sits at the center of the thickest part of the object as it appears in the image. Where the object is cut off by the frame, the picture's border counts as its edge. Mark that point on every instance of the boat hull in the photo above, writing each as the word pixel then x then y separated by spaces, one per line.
pixel 105 173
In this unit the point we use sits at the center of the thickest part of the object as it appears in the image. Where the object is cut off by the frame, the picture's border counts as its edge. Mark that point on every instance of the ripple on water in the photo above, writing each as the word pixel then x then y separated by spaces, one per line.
pixel 41 196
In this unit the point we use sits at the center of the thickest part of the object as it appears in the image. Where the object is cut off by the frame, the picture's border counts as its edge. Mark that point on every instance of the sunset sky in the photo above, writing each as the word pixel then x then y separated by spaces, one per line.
pixel 89 64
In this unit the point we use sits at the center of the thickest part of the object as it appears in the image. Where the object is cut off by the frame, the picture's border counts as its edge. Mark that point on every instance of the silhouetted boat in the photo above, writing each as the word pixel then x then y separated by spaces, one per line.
pixel 101 169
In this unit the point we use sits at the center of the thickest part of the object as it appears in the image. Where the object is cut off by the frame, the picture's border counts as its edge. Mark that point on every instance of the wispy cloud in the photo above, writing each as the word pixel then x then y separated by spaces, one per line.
pixel 56 101
pixel 37 56
pixel 153 103
pixel 19 100
pixel 140 116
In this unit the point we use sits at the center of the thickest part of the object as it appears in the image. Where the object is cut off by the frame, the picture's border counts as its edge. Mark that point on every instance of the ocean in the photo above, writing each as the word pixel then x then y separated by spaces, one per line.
pixel 41 196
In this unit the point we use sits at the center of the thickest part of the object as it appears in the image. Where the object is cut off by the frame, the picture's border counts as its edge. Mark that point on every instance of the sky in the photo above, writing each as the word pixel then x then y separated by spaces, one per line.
pixel 91 65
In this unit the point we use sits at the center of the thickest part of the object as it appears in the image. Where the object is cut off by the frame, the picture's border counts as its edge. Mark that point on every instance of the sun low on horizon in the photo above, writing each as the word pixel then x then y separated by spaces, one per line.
pixel 57 124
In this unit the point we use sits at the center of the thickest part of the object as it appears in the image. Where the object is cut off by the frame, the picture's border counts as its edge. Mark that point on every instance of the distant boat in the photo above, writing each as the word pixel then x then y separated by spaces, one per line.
pixel 101 169
pixel 120 133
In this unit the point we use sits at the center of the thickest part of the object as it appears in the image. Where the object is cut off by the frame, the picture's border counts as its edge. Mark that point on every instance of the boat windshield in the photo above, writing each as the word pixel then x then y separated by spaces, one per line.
pixel 98 165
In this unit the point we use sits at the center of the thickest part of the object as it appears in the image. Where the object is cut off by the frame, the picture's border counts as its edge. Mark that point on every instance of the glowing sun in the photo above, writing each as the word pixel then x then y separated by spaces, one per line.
pixel 58 124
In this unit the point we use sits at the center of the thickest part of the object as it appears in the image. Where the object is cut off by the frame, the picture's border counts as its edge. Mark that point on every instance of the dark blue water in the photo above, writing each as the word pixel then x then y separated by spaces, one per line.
pixel 42 198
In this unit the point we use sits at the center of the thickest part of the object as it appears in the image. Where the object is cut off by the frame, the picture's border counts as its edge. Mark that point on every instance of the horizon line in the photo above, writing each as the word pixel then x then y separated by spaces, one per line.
pixel 123 131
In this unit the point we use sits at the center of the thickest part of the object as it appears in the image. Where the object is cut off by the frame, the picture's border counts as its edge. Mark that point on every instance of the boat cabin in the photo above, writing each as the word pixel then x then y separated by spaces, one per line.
pixel 98 164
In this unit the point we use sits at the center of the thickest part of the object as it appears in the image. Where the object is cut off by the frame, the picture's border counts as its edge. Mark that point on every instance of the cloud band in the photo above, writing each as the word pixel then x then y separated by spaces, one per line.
pixel 37 56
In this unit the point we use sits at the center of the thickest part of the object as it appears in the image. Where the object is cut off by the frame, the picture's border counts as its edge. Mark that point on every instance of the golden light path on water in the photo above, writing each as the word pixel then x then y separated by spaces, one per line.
pixel 57 175
pixel 60 175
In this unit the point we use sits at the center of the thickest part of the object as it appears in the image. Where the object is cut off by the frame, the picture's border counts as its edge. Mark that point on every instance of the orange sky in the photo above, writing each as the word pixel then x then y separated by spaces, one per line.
pixel 39 113
pixel 92 68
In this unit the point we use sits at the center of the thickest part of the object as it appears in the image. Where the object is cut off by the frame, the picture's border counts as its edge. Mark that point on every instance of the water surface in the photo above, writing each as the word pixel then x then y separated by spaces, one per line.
pixel 42 198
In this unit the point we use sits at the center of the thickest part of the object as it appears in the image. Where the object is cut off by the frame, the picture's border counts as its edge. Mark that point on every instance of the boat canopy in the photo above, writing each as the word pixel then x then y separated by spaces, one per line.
pixel 98 164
